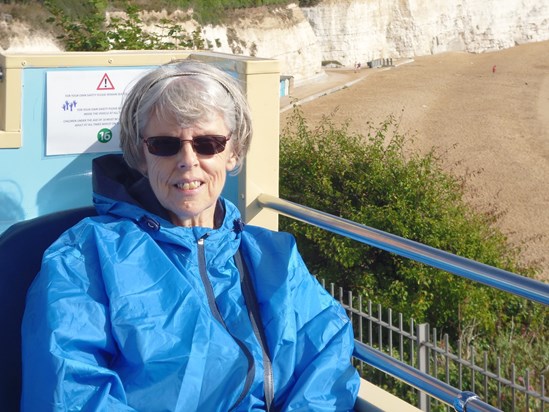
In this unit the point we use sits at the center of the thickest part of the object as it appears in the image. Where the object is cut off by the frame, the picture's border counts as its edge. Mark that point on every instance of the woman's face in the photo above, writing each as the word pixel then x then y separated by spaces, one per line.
pixel 188 184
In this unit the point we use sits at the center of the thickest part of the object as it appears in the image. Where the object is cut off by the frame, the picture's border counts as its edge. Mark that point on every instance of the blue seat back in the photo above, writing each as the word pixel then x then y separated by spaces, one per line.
pixel 21 249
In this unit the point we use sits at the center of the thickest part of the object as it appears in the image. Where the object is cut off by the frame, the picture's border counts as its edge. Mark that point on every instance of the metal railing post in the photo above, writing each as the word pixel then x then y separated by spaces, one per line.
pixel 423 362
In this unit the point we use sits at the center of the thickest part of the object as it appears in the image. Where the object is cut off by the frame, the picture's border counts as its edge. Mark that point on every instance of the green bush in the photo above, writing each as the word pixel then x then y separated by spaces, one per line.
pixel 82 28
pixel 91 32
pixel 376 181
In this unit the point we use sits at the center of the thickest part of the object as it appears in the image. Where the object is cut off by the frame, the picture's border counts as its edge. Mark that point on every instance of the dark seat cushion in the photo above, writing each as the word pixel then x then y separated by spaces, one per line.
pixel 21 249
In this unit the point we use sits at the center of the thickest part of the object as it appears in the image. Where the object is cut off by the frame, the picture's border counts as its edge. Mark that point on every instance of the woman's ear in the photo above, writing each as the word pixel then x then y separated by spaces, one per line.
pixel 231 162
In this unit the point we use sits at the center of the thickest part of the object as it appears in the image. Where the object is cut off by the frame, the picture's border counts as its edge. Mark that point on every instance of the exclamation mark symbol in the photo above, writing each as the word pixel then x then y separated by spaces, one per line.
pixel 105 83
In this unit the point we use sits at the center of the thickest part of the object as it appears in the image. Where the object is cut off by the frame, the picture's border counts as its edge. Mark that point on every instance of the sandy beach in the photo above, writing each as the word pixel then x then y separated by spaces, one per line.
pixel 487 115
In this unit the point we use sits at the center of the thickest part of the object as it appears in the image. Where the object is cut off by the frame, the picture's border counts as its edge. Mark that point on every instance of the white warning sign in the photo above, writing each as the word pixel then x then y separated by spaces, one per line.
pixel 82 109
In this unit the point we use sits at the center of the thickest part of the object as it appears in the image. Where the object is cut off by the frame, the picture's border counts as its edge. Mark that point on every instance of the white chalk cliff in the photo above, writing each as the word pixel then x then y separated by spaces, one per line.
pixel 363 30
pixel 349 31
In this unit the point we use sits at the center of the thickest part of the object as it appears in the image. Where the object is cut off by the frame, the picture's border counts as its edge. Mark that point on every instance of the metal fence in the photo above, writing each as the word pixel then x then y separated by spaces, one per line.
pixel 419 346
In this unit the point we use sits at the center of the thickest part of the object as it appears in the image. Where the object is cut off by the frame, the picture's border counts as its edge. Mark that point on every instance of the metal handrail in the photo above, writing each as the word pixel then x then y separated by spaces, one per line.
pixel 498 278
pixel 460 400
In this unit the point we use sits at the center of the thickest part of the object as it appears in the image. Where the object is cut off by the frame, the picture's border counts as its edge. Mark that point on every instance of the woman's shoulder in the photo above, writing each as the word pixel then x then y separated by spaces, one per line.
pixel 260 241
pixel 268 235
pixel 89 230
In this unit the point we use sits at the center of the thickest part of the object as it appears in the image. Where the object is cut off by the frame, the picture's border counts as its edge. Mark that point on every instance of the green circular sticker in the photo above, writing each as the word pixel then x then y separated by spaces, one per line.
pixel 104 135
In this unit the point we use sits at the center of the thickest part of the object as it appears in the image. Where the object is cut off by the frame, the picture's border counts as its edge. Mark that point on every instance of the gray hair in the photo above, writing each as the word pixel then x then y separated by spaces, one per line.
pixel 190 92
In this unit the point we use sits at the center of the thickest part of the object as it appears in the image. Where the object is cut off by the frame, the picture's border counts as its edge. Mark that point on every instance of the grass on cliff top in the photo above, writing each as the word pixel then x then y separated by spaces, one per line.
pixel 205 11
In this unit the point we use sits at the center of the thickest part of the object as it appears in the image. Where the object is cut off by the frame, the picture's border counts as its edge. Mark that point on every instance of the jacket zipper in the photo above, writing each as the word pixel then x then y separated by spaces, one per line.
pixel 255 319
pixel 217 315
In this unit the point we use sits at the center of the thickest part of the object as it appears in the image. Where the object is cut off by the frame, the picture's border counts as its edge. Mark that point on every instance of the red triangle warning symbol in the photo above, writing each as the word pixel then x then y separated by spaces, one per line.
pixel 105 83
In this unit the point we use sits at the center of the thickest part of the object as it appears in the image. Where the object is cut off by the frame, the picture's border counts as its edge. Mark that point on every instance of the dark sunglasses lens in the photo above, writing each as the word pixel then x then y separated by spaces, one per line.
pixel 209 145
pixel 163 146
pixel 169 145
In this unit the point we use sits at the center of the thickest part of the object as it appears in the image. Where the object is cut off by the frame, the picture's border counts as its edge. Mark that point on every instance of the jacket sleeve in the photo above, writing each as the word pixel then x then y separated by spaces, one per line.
pixel 67 344
pixel 325 379
pixel 310 336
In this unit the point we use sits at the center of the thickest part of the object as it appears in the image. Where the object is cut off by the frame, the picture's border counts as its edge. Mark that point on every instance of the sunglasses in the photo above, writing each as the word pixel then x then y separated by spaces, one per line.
pixel 170 145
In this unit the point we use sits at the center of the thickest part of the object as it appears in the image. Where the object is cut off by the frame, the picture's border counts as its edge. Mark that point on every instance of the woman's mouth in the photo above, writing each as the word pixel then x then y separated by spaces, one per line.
pixel 189 185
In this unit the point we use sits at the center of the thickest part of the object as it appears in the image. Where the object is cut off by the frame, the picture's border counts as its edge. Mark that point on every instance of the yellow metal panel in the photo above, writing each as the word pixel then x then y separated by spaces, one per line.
pixel 261 170
pixel 374 399
pixel 10 140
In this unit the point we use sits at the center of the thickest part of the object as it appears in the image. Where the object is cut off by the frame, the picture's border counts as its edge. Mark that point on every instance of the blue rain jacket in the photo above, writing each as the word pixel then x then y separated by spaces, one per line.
pixel 120 319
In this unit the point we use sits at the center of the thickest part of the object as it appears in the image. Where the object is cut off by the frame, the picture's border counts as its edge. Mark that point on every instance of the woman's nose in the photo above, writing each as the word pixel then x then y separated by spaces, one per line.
pixel 187 156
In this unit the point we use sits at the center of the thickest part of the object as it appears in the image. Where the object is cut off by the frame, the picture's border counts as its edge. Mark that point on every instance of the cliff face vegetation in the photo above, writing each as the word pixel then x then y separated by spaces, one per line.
pixel 344 32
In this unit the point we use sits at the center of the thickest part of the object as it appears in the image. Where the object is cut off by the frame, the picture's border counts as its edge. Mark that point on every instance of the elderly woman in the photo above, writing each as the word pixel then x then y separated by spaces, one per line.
pixel 166 301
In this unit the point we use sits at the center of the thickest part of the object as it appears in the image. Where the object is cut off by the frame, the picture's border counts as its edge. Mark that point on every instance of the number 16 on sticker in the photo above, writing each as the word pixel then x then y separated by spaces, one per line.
pixel 104 135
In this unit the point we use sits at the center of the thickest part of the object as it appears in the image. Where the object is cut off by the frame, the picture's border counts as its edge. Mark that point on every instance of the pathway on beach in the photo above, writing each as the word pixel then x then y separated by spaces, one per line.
pixel 494 121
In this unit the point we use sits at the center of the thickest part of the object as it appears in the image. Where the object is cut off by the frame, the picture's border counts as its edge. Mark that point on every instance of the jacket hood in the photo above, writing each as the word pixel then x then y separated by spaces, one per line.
pixel 112 178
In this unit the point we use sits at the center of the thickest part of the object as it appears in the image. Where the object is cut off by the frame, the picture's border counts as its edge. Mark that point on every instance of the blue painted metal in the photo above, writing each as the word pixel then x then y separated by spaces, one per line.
pixel 31 183
pixel 467 268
